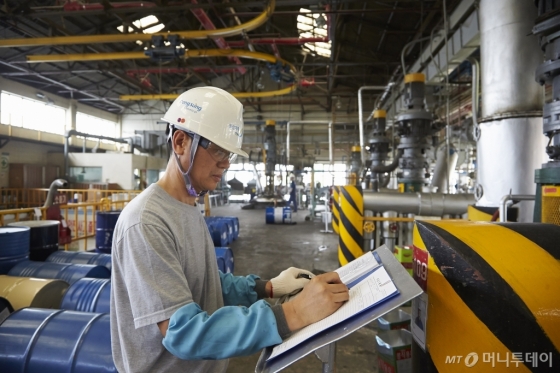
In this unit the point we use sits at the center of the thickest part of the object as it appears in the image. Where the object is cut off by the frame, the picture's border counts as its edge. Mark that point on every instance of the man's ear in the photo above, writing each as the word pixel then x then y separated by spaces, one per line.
pixel 179 141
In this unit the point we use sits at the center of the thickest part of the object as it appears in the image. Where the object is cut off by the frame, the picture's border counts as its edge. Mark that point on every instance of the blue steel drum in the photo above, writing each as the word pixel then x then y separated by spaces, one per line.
pixel 219 232
pixel 105 225
pixel 234 220
pixel 80 257
pixel 224 257
pixel 61 271
pixel 286 215
pixel 278 215
pixel 8 263
pixel 14 246
pixel 43 240
pixel 269 217
pixel 229 224
pixel 36 340
pixel 88 295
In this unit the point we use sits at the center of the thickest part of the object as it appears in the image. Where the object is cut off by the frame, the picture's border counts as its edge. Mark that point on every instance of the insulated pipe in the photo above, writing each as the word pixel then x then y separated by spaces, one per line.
pixel 85 135
pixel 123 38
pixel 307 122
pixel 361 115
pixel 425 204
pixel 512 197
pixel 511 144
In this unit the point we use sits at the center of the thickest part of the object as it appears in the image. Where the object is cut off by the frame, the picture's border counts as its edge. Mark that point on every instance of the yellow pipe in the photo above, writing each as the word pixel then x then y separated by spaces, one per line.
pixel 173 96
pixel 40 58
pixel 123 38
pixel 194 53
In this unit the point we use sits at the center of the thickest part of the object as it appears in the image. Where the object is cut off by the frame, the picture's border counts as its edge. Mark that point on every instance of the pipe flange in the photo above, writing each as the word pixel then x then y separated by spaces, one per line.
pixel 551 117
pixel 547 71
pixel 369 226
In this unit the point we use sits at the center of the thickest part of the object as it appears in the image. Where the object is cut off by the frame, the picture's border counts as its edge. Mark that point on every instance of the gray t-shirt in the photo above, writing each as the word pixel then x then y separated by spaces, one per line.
pixel 163 258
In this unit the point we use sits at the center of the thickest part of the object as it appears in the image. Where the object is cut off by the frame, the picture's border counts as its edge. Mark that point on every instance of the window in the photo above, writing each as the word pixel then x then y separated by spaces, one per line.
pixel 95 126
pixel 32 114
pixel 142 23
pixel 85 174
pixel 314 25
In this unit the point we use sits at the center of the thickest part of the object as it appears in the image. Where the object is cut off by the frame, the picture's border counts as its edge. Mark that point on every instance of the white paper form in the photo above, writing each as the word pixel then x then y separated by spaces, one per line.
pixel 357 268
pixel 367 293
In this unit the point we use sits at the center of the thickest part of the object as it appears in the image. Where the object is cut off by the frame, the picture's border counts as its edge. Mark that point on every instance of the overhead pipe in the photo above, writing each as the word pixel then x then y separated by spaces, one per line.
pixel 203 18
pixel 71 133
pixel 123 38
pixel 280 41
pixel 72 6
pixel 329 123
pixel 514 198
pixel 173 96
pixel 361 116
pixel 193 53
pixel 417 203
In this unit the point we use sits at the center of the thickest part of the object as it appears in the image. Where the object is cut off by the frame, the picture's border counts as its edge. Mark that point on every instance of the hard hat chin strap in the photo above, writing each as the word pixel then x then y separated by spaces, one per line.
pixel 190 189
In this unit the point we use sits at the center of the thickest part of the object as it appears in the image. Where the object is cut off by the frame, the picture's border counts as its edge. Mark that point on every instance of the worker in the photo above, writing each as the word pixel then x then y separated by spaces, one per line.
pixel 172 310
pixel 293 194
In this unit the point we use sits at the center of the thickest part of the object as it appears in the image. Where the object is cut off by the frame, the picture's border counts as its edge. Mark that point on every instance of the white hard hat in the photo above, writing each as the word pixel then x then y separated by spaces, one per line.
pixel 211 113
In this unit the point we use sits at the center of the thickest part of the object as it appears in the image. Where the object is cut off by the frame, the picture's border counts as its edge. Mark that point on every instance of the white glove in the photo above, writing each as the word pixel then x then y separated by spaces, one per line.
pixel 290 280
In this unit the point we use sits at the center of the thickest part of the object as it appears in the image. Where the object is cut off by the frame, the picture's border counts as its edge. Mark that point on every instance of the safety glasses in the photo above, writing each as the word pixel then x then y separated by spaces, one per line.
pixel 218 153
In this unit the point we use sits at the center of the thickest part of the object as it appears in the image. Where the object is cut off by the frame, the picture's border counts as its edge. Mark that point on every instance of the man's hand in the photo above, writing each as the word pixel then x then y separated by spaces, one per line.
pixel 322 296
pixel 288 281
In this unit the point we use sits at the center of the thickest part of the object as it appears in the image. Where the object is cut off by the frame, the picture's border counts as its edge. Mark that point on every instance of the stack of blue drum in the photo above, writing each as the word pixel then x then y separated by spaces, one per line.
pixel 223 229
pixel 224 257
pixel 36 335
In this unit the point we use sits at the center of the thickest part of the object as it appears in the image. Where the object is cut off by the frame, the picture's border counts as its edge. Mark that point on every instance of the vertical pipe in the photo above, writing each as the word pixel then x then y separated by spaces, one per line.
pixel 511 145
pixel 330 143
pixel 288 143
pixel 361 115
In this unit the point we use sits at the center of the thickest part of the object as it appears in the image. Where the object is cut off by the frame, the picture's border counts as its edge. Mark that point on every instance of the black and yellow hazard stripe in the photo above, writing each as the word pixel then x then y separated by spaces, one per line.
pixel 351 228
pixel 335 209
pixel 492 288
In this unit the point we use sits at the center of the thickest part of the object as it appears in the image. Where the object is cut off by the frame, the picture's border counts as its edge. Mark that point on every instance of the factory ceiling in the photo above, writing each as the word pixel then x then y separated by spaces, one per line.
pixel 305 56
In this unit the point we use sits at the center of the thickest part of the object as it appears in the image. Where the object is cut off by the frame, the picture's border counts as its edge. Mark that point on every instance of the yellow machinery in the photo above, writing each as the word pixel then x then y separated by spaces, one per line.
pixel 492 299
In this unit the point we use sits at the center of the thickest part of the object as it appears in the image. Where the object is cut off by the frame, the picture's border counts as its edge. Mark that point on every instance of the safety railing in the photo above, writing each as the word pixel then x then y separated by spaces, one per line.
pixel 13 198
pixel 80 217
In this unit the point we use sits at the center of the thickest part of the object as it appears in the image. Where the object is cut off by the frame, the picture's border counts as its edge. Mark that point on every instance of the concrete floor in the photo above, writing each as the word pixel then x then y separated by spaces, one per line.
pixel 266 250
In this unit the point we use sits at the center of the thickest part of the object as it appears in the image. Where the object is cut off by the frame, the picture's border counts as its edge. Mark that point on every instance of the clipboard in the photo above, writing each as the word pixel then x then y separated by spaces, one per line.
pixel 408 289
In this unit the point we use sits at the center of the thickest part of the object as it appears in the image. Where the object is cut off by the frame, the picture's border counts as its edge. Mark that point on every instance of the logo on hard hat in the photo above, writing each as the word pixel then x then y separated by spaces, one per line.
pixel 236 129
pixel 191 106
pixel 180 120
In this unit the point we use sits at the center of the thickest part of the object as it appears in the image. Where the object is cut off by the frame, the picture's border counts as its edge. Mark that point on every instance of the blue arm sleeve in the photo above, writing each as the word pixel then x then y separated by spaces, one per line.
pixel 238 290
pixel 230 331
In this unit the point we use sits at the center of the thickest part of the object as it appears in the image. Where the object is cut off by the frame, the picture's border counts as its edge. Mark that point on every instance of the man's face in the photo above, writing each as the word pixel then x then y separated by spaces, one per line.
pixel 206 172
